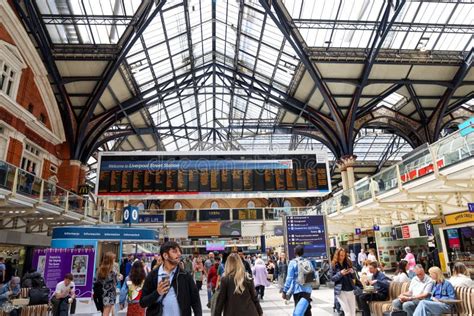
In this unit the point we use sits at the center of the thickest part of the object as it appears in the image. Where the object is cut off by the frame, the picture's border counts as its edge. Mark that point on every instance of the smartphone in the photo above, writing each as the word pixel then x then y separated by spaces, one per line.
pixel 165 278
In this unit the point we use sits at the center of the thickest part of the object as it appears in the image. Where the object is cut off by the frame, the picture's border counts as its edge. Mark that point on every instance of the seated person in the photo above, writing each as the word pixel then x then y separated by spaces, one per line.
pixel 380 282
pixel 63 296
pixel 401 275
pixel 461 276
pixel 442 290
pixel 9 291
pixel 420 288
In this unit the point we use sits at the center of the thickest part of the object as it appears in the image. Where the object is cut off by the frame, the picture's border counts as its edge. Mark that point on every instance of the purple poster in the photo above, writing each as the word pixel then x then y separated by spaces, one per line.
pixel 79 262
pixel 39 260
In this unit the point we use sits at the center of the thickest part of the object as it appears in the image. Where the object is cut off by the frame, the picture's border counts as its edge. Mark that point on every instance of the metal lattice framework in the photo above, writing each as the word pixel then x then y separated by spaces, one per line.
pixel 372 78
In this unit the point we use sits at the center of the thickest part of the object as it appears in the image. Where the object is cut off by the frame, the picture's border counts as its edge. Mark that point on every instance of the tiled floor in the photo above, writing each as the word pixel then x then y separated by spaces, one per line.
pixel 272 304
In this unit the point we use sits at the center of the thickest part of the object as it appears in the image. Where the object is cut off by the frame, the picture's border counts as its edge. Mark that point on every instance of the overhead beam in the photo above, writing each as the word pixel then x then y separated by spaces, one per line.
pixel 283 21
pixel 436 118
pixel 144 18
pixel 383 29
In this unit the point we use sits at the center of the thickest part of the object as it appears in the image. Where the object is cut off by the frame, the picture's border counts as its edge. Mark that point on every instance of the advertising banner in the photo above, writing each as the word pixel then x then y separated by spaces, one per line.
pixel 309 231
pixel 215 229
pixel 79 262
pixel 39 260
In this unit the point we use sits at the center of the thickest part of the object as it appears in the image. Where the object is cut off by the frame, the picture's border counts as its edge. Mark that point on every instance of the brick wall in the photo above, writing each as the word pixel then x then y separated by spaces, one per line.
pixel 5 36
pixel 28 93
pixel 15 151
pixel 68 175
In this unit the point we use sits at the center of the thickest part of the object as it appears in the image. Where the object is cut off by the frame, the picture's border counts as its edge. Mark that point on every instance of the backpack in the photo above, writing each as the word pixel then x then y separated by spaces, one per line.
pixel 98 293
pixel 306 273
pixel 38 296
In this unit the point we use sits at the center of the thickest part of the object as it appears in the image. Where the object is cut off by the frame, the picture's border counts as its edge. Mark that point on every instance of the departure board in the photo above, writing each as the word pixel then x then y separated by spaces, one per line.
pixel 206 175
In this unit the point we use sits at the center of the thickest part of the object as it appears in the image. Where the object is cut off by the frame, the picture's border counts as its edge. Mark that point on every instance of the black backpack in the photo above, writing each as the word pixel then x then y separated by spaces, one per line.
pixel 98 295
pixel 38 296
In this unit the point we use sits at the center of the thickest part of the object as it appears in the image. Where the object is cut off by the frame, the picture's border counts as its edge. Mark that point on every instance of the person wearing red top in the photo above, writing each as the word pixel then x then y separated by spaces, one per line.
pixel 213 275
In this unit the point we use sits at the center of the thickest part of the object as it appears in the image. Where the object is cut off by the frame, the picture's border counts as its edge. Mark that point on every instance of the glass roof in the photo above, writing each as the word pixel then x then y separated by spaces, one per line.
pixel 217 74
pixel 349 23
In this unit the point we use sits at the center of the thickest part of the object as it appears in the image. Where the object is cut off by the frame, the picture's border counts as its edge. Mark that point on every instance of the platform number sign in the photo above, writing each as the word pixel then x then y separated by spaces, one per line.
pixel 130 215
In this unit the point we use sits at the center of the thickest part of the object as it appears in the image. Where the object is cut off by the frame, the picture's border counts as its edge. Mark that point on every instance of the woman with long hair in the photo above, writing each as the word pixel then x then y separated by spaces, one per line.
pixel 131 291
pixel 441 291
pixel 461 276
pixel 401 275
pixel 237 294
pixel 108 277
pixel 343 276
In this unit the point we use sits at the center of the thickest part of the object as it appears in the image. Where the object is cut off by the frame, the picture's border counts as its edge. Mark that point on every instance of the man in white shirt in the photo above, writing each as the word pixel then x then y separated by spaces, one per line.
pixel 420 288
pixel 64 295
pixel 353 257
pixel 361 258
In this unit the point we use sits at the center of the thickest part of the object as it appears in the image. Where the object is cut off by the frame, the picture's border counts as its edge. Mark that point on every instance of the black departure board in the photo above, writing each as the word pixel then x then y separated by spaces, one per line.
pixel 148 181
pixel 206 175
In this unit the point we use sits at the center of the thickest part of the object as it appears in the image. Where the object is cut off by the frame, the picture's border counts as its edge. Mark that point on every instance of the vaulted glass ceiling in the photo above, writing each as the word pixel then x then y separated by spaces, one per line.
pixel 220 75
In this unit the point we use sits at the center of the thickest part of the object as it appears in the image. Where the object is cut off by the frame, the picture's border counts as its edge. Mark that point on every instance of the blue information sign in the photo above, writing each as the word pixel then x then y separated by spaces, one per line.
pixel 470 207
pixel 358 231
pixel 309 231
pixel 104 233
pixel 467 127
pixel 376 228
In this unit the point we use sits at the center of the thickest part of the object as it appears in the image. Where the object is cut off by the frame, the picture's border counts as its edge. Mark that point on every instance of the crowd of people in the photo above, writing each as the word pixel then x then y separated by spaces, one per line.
pixel 169 283
pixel 355 287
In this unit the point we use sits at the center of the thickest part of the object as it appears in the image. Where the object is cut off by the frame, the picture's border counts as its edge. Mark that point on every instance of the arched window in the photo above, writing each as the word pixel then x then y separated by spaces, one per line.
pixel 178 206
pixel 287 203
pixel 250 204
pixel 214 205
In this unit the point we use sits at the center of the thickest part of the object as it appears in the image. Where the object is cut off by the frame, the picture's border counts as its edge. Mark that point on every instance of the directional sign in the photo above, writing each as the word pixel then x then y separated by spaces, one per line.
pixel 376 228
pixel 358 231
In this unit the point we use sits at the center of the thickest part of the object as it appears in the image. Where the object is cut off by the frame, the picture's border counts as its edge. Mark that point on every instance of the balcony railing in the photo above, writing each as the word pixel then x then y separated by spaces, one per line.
pixel 446 152
pixel 22 183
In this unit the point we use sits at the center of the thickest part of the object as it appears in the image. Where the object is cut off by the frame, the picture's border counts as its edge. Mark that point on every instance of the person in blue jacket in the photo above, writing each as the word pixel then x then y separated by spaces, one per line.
pixel 442 290
pixel 292 286
pixel 381 284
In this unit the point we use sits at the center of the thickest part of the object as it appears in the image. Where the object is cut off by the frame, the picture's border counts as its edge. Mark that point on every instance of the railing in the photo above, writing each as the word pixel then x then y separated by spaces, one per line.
pixel 24 183
pixel 446 152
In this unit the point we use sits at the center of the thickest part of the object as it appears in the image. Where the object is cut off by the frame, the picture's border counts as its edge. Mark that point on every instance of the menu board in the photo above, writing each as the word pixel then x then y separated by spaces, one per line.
pixel 212 175
pixel 309 231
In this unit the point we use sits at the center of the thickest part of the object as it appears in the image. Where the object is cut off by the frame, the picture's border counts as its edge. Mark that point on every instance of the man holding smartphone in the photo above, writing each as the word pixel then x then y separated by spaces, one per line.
pixel 169 288
pixel 63 296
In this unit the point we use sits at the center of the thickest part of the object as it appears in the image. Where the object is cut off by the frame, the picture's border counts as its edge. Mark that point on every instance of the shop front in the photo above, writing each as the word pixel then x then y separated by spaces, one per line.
pixel 391 242
pixel 457 239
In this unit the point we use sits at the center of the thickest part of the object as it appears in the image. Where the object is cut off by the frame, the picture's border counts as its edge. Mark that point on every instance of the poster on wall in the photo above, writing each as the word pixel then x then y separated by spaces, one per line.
pixel 79 262
pixel 39 260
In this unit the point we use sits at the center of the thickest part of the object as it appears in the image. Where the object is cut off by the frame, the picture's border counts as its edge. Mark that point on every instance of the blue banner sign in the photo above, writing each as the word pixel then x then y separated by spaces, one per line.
pixel 152 165
pixel 150 219
pixel 470 207
pixel 309 231
pixel 466 127
pixel 105 233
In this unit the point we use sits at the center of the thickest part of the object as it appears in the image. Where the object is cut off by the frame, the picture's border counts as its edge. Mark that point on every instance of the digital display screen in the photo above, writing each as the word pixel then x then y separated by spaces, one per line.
pixel 204 175
pixel 309 231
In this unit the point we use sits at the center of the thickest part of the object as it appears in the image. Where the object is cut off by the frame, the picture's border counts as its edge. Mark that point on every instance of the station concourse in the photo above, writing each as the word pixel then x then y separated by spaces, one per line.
pixel 174 135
